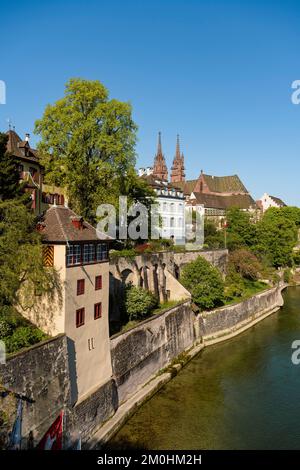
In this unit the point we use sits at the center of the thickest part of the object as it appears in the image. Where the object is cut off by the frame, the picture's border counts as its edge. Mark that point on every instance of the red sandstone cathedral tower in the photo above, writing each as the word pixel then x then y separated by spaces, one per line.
pixel 160 169
pixel 177 173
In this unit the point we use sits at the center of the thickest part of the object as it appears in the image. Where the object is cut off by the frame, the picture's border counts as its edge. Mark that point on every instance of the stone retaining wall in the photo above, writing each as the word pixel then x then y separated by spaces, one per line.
pixel 144 350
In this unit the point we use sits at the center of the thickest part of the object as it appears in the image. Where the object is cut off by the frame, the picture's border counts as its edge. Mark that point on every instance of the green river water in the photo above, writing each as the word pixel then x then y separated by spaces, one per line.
pixel 240 394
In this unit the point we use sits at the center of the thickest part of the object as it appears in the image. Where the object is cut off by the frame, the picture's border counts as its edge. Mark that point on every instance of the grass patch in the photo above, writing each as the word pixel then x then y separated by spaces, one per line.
pixel 122 328
pixel 251 288
pixel 165 306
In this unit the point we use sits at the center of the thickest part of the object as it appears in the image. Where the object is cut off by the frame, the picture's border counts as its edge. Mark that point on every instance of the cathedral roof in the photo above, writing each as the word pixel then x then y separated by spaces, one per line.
pixel 224 184
pixel 186 186
pixel 214 201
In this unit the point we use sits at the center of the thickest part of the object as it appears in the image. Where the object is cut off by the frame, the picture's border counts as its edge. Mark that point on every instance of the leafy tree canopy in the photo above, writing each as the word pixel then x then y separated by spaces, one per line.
pixel 205 283
pixel 277 235
pixel 88 146
pixel 241 231
pixel 10 186
pixel 246 263
pixel 21 264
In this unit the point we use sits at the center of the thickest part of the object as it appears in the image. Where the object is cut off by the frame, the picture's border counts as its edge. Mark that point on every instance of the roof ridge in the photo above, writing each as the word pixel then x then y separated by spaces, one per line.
pixel 60 224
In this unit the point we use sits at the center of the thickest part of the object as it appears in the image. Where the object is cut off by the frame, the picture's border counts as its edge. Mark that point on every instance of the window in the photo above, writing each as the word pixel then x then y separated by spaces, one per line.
pixel 172 222
pixel 98 282
pixel 73 255
pixel 102 252
pixel 80 286
pixel 88 253
pixel 97 311
pixel 80 314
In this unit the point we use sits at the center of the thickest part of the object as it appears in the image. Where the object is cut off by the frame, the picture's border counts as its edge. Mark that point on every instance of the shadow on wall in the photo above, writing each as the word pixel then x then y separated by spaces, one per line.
pixel 72 370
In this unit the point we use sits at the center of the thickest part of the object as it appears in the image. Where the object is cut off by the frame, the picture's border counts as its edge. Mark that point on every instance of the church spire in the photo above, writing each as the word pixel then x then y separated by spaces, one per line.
pixel 159 150
pixel 177 172
pixel 160 170
pixel 177 154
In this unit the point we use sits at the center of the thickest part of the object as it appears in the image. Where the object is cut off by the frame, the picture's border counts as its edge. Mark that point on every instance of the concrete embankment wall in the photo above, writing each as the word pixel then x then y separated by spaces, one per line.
pixel 42 375
pixel 143 351
pixel 233 318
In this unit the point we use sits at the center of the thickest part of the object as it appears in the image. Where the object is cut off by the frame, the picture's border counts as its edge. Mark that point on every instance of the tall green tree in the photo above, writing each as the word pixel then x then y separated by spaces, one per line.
pixel 241 231
pixel 277 235
pixel 88 146
pixel 10 186
pixel 22 273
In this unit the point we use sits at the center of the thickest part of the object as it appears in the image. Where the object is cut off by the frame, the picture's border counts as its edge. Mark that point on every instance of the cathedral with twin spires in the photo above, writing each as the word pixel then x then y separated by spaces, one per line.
pixel 215 194
pixel 160 169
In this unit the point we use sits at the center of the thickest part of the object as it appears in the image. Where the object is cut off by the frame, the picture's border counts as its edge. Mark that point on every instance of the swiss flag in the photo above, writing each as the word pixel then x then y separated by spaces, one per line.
pixel 52 440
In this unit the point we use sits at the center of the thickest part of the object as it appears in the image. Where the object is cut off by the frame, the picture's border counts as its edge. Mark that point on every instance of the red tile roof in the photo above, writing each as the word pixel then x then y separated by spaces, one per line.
pixel 57 227
pixel 21 148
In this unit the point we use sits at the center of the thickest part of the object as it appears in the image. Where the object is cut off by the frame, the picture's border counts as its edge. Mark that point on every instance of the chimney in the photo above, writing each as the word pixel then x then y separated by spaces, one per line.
pixel 40 226
pixel 77 221
pixel 27 137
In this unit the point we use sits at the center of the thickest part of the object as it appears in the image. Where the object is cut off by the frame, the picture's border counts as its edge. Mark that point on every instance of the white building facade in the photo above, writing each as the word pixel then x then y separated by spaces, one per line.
pixel 267 201
pixel 172 212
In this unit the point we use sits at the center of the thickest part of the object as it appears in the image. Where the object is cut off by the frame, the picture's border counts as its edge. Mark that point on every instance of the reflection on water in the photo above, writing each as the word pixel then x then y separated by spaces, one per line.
pixel 242 394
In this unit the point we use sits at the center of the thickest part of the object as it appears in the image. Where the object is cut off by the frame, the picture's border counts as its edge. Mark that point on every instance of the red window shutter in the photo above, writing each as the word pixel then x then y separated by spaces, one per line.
pixel 97 311
pixel 80 286
pixel 98 282
pixel 80 314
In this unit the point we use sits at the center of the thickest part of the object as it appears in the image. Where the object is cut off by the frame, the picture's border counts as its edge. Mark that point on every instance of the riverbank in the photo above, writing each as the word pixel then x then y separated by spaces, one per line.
pixel 240 394
pixel 209 328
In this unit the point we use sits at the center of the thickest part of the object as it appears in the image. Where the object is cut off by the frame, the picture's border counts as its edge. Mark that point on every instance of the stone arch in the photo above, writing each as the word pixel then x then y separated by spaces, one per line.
pixel 176 271
pixel 127 276
pixel 141 282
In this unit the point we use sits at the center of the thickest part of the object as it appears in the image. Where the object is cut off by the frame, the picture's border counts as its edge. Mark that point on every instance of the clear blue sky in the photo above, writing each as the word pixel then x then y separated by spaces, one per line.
pixel 219 73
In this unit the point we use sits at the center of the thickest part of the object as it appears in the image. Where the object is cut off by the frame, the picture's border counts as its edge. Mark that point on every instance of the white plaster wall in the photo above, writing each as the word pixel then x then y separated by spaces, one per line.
pixel 93 367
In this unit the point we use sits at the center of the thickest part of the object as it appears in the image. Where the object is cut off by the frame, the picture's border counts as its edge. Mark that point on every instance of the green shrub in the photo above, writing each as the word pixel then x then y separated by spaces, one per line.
pixel 139 303
pixel 126 253
pixel 23 337
pixel 234 284
pixel 296 258
pixel 205 283
pixel 246 263
pixel 5 328
pixel 287 276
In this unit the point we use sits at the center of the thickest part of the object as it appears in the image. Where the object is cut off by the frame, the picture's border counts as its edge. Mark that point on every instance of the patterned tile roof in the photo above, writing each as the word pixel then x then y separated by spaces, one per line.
pixel 224 184
pixel 57 227
pixel 214 201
